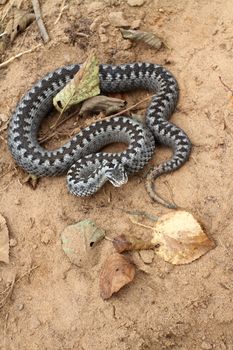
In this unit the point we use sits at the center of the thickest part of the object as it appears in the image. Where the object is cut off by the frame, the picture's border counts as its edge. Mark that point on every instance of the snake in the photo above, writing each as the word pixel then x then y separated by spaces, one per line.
pixel 87 166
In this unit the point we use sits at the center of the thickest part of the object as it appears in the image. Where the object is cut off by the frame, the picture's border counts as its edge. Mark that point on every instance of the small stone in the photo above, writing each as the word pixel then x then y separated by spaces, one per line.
pixel 206 346
pixel 73 328
pixel 3 117
pixel 47 236
pixel 13 242
pixel 147 256
pixel 117 19
pixel 103 38
pixel 135 2
pixel 95 6
pixel 17 202
pixel 136 24
pixel 34 323
pixel 20 307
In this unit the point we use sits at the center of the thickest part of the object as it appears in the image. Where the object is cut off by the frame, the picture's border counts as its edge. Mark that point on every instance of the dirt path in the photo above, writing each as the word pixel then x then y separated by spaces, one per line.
pixel 181 308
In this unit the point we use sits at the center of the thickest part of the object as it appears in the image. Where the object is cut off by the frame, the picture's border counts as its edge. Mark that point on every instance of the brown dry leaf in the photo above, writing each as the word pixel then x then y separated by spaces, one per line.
pixel 180 238
pixel 84 85
pixel 106 104
pixel 116 272
pixel 123 243
pixel 146 37
pixel 18 23
pixel 4 241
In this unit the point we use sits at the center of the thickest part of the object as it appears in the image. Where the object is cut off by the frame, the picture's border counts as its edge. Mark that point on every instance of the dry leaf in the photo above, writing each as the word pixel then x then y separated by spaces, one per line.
pixel 180 238
pixel 84 85
pixel 146 37
pixel 4 241
pixel 78 241
pixel 109 105
pixel 18 23
pixel 116 272
pixel 123 243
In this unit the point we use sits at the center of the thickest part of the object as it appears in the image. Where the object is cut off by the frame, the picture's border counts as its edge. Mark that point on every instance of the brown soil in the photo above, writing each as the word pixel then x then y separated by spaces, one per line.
pixel 57 305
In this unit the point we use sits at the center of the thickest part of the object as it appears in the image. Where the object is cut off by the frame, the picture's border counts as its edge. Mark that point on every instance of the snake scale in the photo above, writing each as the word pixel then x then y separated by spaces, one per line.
pixel 89 168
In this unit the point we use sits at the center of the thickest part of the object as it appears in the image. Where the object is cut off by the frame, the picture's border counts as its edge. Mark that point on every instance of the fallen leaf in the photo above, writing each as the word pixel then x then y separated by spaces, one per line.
pixel 31 180
pixel 180 238
pixel 146 37
pixel 106 104
pixel 78 241
pixel 4 241
pixel 18 23
pixel 84 85
pixel 116 272
pixel 123 243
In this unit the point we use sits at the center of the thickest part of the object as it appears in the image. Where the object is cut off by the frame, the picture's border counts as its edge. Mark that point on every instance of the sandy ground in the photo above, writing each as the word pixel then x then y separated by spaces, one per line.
pixel 185 307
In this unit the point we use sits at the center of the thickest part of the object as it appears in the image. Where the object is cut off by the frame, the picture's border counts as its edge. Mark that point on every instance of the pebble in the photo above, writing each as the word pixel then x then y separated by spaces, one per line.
pixel 34 322
pixel 13 242
pixel 46 236
pixel 147 256
pixel 103 38
pixel 136 24
pixel 206 346
pixel 20 307
pixel 135 2
pixel 17 202
pixel 117 19
pixel 95 6
pixel 3 117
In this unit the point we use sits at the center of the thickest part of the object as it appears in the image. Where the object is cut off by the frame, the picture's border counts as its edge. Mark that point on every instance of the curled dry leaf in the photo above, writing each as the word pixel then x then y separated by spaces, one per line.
pixel 109 105
pixel 123 243
pixel 78 241
pixel 116 272
pixel 180 238
pixel 4 241
pixel 146 37
pixel 18 23
pixel 84 85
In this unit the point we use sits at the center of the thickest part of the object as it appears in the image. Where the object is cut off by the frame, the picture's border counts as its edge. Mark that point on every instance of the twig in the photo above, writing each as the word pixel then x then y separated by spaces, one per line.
pixel 40 23
pixel 62 8
pixel 5 63
pixel 142 225
pixel 9 289
pixel 131 107
pixel 225 85
pixel 140 213
pixel 11 3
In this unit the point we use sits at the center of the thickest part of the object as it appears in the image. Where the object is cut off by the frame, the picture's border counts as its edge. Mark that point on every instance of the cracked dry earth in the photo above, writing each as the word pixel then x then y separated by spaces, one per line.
pixel 185 307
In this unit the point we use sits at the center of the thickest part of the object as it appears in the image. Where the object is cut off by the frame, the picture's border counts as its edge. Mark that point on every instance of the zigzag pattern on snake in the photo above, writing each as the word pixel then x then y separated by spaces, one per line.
pixel 89 168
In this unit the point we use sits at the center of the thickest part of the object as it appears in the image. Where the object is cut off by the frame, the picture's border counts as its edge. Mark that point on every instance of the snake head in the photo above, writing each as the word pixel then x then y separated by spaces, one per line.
pixel 116 174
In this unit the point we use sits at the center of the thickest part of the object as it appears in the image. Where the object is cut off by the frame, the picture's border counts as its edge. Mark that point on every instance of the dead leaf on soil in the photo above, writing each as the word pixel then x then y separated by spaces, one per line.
pixel 123 243
pixel 106 104
pixel 116 272
pixel 84 85
pixel 4 241
pixel 18 23
pixel 146 37
pixel 78 241
pixel 180 238
pixel 31 180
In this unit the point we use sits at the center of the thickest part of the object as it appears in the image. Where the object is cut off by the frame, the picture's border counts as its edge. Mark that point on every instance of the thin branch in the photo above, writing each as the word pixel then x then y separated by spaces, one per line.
pixel 40 23
pixel 5 63
pixel 131 107
pixel 225 85
pixel 62 8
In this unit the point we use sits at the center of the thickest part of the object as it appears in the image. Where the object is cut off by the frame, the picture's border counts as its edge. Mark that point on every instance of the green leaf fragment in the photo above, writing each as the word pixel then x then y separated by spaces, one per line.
pixel 84 85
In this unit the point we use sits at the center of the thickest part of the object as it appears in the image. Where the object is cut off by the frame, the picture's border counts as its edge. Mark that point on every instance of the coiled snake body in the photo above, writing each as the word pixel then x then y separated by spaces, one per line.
pixel 88 168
